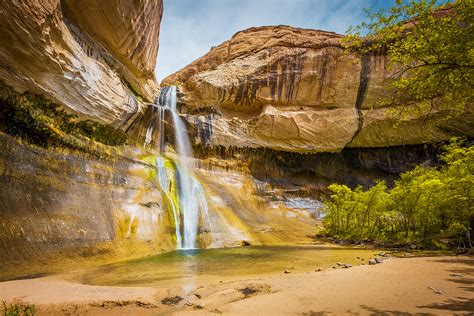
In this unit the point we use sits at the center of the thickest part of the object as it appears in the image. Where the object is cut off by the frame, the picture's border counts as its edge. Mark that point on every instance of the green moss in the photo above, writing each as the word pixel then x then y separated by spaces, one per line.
pixel 122 227
pixel 102 133
pixel 171 196
pixel 151 160
pixel 133 227
pixel 47 124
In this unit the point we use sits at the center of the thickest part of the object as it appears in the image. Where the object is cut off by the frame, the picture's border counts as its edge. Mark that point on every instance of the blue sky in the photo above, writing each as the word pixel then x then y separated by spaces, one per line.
pixel 189 28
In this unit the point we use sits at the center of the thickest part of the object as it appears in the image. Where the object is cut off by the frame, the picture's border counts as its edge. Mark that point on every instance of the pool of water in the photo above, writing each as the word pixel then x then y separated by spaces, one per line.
pixel 182 266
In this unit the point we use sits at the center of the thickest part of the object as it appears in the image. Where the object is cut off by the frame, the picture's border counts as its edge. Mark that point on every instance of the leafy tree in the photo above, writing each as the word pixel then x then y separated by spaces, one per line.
pixel 431 50
pixel 425 204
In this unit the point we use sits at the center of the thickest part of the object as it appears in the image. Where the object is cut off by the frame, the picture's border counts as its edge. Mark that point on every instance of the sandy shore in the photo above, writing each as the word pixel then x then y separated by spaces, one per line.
pixel 435 285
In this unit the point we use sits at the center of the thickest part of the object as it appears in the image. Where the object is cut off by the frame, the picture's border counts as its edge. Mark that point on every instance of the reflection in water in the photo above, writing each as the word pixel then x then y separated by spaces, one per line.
pixel 187 267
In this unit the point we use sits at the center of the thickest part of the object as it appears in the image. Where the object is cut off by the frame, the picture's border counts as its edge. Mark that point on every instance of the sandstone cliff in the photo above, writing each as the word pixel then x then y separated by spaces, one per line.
pixel 296 90
pixel 96 57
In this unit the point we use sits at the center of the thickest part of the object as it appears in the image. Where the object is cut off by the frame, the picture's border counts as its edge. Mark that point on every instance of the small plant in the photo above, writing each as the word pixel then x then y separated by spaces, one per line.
pixel 18 309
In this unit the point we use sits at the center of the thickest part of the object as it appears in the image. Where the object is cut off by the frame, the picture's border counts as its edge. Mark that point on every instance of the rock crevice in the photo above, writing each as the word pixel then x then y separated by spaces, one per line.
pixel 363 83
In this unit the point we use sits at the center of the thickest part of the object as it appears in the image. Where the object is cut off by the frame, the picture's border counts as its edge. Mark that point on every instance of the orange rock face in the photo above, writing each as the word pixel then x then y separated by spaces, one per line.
pixel 281 66
pixel 295 89
pixel 129 30
pixel 93 56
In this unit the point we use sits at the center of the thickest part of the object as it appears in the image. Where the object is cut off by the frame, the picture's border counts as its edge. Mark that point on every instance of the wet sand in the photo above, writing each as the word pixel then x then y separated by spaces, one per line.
pixel 399 286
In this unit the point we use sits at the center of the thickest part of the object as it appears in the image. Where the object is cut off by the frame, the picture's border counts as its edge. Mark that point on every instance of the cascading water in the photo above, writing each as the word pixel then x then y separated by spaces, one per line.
pixel 192 200
pixel 161 128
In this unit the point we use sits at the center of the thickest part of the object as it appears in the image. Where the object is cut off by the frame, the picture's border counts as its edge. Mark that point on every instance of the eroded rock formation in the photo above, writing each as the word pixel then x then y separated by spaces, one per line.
pixel 96 57
pixel 296 90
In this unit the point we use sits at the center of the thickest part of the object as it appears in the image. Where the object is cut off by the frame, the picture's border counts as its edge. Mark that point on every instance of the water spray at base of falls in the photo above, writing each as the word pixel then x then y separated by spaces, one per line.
pixel 192 203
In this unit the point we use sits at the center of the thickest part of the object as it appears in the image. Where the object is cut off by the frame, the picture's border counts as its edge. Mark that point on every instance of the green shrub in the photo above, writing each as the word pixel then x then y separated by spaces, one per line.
pixel 18 309
pixel 425 204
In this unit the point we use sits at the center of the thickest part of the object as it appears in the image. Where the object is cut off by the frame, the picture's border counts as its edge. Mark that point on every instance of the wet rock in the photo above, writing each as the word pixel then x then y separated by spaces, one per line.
pixel 171 301
pixel 372 262
pixel 344 265
pixel 114 304
pixel 249 291
pixel 150 204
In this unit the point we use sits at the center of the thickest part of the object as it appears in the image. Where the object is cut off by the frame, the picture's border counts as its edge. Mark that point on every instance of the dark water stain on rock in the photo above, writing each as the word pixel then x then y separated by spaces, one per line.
pixel 171 301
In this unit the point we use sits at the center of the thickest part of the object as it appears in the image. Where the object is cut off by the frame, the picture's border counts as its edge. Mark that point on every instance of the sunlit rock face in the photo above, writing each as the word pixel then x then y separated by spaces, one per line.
pixel 55 202
pixel 61 204
pixel 93 56
pixel 296 90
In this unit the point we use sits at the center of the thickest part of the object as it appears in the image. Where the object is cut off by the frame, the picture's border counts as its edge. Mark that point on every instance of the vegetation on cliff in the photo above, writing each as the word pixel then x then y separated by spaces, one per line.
pixel 45 123
pixel 424 206
pixel 430 45
pixel 18 309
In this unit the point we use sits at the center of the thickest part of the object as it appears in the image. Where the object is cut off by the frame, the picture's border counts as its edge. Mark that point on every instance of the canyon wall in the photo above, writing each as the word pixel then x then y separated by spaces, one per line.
pixel 95 57
pixel 57 202
pixel 74 196
pixel 62 209
pixel 296 90
pixel 74 190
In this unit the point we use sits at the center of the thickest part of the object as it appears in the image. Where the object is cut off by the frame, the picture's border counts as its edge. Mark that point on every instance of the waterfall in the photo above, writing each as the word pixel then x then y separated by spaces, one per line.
pixel 181 136
pixel 192 200
pixel 161 128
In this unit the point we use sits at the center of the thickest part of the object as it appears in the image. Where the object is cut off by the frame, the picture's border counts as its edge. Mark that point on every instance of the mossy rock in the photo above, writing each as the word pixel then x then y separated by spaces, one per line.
pixel 46 124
